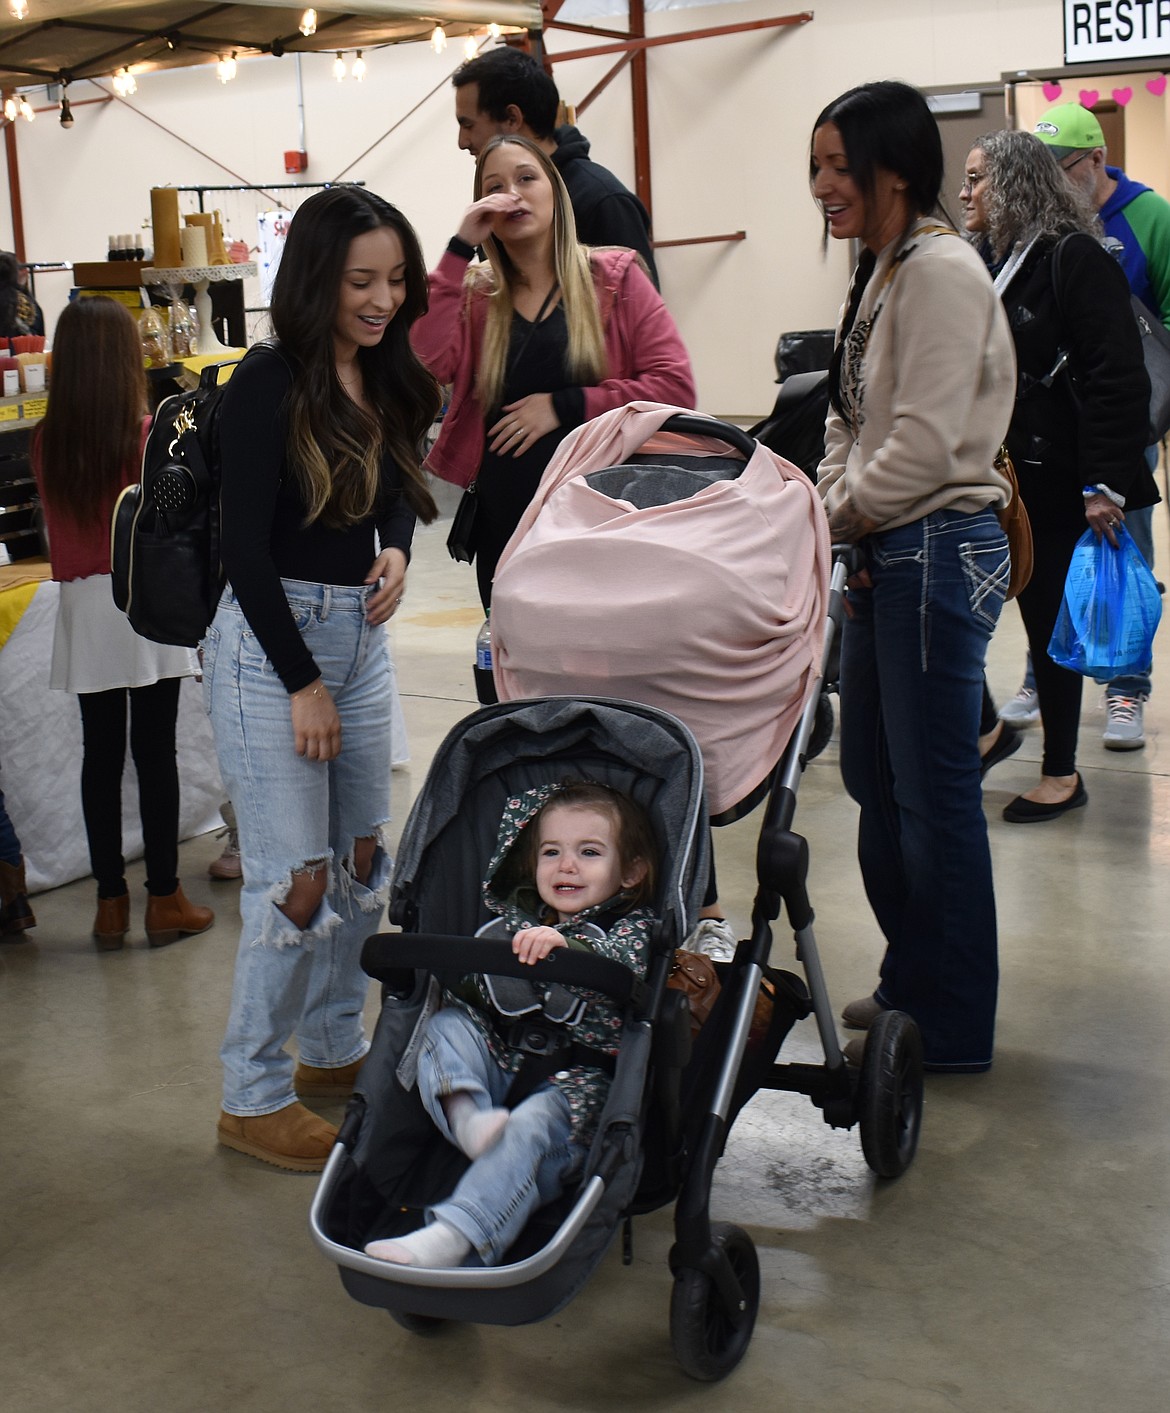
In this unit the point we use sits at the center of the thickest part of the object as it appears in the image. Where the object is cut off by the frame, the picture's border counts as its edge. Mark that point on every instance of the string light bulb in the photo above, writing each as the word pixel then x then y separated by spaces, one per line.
pixel 26 110
pixel 308 25
pixel 18 9
pixel 125 83
pixel 438 39
pixel 470 47
pixel 339 66
pixel 225 69
pixel 493 30
pixel 66 112
pixel 359 67
pixel 10 109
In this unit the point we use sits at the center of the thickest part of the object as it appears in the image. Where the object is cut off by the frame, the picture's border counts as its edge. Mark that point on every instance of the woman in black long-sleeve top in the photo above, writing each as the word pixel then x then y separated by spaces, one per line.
pixel 320 439
pixel 1079 426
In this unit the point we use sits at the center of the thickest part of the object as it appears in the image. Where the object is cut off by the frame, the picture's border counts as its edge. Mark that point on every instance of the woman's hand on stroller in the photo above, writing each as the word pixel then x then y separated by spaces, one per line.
pixel 847 525
pixel 523 423
pixel 533 944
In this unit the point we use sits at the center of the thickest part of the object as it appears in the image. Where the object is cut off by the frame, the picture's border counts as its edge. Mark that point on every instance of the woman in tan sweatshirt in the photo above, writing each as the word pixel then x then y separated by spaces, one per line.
pixel 922 383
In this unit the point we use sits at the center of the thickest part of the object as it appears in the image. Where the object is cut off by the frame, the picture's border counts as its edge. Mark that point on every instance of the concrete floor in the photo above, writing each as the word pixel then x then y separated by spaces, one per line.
pixel 1021 1266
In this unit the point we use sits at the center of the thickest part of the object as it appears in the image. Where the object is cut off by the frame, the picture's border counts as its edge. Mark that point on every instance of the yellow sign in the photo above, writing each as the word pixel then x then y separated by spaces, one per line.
pixel 36 406
pixel 9 412
pixel 131 298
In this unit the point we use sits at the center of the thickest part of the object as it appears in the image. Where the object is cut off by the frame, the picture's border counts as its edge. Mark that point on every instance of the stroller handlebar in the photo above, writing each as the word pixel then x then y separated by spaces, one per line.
pixel 387 953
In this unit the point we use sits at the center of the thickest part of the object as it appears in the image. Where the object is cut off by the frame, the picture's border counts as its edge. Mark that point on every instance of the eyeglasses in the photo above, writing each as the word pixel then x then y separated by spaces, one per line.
pixel 1075 160
pixel 971 180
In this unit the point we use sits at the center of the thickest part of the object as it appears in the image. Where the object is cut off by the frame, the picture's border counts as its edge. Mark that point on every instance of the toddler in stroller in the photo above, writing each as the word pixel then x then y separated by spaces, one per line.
pixel 573 868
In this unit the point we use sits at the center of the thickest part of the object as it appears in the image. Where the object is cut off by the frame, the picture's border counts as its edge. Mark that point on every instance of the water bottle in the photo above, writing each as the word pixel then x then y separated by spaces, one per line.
pixel 485 686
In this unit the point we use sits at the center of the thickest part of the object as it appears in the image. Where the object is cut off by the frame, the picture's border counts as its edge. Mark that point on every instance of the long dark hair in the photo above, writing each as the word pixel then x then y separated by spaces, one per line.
pixel 334 446
pixel 888 125
pixel 14 303
pixel 92 429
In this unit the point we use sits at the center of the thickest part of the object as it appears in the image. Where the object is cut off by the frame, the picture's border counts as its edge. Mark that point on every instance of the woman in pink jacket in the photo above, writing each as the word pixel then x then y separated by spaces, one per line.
pixel 545 335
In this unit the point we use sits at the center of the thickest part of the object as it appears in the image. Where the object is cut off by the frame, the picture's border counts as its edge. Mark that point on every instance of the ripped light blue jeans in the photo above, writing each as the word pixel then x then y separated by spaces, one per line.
pixel 531 1163
pixel 295 815
pixel 912 657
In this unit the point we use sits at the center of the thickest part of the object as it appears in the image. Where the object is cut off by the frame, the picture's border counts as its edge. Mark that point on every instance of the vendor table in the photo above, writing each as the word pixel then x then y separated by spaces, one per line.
pixel 40 743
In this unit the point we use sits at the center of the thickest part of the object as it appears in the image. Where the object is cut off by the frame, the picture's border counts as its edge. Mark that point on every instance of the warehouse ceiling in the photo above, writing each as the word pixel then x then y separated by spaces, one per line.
pixel 76 39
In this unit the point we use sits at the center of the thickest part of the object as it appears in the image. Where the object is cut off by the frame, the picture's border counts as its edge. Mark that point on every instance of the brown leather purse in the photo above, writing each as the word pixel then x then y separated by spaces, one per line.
pixel 694 974
pixel 1014 522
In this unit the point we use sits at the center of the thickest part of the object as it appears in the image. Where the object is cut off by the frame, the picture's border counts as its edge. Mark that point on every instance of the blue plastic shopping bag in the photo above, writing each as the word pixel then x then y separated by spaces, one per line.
pixel 1110 611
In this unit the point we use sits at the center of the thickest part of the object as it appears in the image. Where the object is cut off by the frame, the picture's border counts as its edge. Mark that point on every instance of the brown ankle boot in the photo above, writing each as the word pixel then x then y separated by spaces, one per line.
pixel 292 1138
pixel 172 917
pixel 112 923
pixel 15 913
pixel 313 1083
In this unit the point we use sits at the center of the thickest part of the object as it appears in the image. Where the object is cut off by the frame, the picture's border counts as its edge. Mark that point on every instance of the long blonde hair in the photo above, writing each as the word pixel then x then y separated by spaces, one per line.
pixel 586 353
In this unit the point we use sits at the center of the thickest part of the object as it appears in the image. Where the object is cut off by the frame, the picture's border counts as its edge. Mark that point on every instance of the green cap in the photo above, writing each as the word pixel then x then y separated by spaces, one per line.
pixel 1069 128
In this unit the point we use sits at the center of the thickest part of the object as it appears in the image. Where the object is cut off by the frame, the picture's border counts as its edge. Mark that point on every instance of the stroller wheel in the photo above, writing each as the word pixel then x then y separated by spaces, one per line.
pixel 417 1324
pixel 708 1339
pixel 822 732
pixel 889 1094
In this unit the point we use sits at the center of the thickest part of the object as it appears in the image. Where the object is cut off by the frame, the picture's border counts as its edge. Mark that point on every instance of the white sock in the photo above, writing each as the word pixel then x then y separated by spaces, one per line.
pixel 436 1246
pixel 474 1130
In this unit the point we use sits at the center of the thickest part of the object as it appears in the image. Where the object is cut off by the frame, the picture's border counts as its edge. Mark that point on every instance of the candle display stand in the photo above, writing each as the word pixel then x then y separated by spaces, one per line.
pixel 201 277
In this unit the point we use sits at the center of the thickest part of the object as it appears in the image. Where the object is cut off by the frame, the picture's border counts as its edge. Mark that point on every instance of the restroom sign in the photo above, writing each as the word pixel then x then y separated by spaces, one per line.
pixel 1097 31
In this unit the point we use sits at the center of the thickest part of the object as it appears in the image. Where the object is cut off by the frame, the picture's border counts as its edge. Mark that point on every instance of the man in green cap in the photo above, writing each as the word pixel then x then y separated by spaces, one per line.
pixel 1137 231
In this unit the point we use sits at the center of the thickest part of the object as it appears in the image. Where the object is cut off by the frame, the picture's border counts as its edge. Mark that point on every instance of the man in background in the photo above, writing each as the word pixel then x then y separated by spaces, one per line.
pixel 506 91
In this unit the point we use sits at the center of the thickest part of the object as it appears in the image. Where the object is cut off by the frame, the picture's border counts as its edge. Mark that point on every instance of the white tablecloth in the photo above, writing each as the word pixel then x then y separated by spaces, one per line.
pixel 40 758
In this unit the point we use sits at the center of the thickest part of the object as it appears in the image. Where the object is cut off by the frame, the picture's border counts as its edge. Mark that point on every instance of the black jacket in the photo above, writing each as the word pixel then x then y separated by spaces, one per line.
pixel 1089 427
pixel 606 212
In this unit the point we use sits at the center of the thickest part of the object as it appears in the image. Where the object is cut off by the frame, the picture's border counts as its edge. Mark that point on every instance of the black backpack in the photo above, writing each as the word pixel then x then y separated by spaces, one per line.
pixel 165 533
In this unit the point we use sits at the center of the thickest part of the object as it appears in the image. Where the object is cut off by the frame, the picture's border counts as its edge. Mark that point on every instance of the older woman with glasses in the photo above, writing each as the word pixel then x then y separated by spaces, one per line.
pixel 1077 432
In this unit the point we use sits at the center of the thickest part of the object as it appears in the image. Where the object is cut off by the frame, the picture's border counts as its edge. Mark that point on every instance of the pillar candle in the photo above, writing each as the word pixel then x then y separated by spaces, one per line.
pixel 164 220
pixel 194 239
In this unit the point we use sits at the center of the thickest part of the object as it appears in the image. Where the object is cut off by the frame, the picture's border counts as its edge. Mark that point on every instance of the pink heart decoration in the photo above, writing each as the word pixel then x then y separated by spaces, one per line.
pixel 1052 91
pixel 1122 95
pixel 1088 97
pixel 1157 86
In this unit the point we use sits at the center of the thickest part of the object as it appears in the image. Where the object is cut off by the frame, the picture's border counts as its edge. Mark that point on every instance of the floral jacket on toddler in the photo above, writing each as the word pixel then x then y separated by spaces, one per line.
pixel 626 939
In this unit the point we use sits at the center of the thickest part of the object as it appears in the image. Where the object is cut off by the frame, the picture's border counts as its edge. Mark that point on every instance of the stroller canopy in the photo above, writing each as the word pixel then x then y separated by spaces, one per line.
pixel 635 574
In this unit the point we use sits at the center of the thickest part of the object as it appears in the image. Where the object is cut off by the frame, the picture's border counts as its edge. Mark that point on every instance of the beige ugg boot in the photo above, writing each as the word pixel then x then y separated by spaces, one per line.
pixel 292 1138
pixel 313 1083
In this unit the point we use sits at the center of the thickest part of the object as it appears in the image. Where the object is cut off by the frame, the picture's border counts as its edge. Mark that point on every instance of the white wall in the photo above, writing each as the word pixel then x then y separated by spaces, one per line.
pixel 730 120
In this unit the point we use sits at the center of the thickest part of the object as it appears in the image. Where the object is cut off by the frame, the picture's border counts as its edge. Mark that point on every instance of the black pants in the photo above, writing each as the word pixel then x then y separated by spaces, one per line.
pixel 1057 512
pixel 153 713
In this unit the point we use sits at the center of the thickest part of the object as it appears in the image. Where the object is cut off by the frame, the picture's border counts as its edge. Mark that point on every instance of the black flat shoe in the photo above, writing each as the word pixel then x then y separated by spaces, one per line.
pixel 1022 811
pixel 1007 743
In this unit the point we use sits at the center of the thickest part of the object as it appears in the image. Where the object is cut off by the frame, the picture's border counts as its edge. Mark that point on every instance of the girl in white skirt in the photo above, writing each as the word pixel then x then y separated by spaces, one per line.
pixel 88 448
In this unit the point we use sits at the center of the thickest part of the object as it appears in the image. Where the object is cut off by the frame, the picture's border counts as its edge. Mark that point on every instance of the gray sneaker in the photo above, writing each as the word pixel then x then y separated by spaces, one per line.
pixel 1023 709
pixel 1124 731
pixel 714 937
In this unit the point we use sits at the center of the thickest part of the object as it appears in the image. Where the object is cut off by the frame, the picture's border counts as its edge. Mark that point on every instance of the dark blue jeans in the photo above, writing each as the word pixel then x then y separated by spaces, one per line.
pixel 9 843
pixel 911 686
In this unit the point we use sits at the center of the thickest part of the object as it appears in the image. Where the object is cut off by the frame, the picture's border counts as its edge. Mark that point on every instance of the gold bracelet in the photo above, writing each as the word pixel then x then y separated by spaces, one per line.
pixel 315 689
